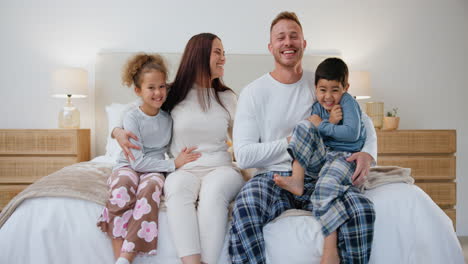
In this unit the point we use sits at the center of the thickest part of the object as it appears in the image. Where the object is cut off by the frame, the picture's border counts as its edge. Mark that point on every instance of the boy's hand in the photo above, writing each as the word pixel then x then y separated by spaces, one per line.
pixel 336 115
pixel 123 138
pixel 315 119
pixel 186 156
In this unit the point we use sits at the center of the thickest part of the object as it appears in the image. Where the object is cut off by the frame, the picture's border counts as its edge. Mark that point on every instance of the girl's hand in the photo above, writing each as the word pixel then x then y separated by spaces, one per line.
pixel 315 119
pixel 123 138
pixel 336 115
pixel 186 156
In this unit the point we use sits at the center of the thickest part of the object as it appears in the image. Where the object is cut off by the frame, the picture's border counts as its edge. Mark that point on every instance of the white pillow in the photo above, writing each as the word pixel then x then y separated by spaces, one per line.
pixel 114 113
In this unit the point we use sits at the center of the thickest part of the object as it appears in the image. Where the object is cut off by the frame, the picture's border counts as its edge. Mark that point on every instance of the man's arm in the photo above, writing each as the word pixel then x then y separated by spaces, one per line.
pixel 249 151
pixel 368 155
pixel 370 146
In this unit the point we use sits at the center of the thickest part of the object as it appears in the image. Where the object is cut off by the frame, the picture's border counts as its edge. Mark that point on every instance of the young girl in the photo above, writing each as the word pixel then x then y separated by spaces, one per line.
pixel 130 217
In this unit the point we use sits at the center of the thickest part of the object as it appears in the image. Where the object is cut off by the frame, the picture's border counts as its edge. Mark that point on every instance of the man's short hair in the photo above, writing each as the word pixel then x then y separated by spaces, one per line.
pixel 285 15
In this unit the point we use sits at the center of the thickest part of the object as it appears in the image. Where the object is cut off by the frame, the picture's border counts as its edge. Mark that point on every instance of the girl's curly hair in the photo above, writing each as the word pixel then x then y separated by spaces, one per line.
pixel 139 64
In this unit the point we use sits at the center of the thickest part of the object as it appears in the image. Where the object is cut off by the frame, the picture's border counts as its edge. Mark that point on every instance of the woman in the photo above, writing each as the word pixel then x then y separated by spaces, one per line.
pixel 198 194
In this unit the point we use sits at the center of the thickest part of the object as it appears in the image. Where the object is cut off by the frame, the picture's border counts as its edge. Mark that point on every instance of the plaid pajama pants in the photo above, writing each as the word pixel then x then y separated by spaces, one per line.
pixel 260 201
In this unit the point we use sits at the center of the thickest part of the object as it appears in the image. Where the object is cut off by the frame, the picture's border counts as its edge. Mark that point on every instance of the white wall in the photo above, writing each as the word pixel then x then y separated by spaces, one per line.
pixel 416 51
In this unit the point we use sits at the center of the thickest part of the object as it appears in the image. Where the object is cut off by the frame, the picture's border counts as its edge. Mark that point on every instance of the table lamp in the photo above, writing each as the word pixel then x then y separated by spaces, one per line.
pixel 68 83
pixel 359 84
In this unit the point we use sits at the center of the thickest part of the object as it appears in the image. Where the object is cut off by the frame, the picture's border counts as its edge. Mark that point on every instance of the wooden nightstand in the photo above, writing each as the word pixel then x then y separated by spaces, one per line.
pixel 431 156
pixel 29 154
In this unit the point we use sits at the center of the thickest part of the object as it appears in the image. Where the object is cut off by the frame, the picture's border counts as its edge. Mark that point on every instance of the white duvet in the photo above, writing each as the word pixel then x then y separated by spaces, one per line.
pixel 409 228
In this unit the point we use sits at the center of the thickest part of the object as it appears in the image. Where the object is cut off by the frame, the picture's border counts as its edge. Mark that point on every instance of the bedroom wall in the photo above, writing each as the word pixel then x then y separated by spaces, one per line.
pixel 416 51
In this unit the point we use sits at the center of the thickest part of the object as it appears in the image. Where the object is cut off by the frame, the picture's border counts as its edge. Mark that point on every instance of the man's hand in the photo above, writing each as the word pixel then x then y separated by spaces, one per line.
pixel 363 161
pixel 123 138
pixel 336 115
pixel 315 119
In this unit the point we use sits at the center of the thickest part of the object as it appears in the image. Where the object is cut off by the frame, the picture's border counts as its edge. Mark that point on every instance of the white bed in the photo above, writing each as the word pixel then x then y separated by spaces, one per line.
pixel 409 227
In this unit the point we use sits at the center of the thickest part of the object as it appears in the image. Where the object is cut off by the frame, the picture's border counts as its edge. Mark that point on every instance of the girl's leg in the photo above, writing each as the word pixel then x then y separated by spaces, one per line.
pixel 143 226
pixel 119 208
pixel 219 187
pixel 181 192
pixel 117 246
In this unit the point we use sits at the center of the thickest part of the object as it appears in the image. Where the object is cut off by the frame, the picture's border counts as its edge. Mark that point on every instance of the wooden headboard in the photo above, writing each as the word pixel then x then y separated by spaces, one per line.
pixel 240 69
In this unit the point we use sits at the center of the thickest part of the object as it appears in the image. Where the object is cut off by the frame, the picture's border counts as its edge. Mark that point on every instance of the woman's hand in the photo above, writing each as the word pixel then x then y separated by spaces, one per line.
pixel 363 161
pixel 186 156
pixel 336 115
pixel 123 138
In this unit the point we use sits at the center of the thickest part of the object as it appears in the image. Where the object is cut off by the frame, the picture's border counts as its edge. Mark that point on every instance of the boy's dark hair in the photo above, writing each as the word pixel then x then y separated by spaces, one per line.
pixel 332 69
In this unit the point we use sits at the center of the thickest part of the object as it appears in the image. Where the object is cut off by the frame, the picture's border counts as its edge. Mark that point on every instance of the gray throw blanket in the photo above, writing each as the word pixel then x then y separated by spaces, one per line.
pixel 85 180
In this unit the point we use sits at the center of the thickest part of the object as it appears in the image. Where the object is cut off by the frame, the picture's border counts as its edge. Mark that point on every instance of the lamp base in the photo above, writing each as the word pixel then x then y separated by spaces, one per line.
pixel 69 116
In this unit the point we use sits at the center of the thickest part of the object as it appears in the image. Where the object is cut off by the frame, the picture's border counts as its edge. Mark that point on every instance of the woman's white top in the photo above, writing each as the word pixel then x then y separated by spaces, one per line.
pixel 207 130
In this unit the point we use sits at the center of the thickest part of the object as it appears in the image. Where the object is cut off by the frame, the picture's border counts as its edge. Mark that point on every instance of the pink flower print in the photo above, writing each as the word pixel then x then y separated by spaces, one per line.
pixel 132 175
pixel 141 208
pixel 142 186
pixel 121 224
pixel 128 246
pixel 148 231
pixel 157 196
pixel 120 197
pixel 132 190
pixel 152 252
pixel 105 215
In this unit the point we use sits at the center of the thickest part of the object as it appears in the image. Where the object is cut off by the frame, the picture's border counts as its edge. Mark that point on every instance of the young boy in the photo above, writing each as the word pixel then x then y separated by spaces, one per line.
pixel 321 145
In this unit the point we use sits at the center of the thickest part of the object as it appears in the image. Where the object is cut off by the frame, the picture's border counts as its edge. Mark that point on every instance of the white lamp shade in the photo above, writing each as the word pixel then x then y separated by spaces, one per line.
pixel 72 81
pixel 359 84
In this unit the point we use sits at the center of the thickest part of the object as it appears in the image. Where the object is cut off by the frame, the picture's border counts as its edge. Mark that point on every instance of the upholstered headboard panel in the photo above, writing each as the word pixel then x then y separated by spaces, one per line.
pixel 240 69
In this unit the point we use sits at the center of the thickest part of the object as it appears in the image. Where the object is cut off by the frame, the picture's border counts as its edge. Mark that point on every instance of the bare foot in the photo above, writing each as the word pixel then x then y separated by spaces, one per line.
pixel 294 186
pixel 330 258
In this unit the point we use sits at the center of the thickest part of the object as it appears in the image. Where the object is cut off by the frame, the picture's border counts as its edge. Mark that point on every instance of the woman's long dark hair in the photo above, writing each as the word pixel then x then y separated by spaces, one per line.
pixel 195 66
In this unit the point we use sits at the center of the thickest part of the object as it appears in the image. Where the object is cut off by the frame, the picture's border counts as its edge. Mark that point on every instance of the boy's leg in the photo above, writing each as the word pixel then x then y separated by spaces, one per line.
pixel 330 250
pixel 308 151
pixel 258 202
pixel 333 182
pixel 341 207
pixel 293 184
pixel 307 147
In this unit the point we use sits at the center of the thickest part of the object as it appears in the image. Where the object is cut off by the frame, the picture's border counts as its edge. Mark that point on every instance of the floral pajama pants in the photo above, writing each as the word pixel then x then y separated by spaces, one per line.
pixel 131 213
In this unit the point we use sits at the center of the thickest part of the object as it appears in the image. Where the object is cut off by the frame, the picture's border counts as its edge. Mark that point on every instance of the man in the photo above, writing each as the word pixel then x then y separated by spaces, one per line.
pixel 267 111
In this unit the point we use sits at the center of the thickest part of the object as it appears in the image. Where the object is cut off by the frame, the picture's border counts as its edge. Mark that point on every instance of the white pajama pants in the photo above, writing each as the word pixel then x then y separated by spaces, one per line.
pixel 200 229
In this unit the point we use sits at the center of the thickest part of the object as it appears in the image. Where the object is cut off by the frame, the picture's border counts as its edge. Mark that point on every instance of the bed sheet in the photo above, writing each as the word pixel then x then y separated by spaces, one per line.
pixel 409 228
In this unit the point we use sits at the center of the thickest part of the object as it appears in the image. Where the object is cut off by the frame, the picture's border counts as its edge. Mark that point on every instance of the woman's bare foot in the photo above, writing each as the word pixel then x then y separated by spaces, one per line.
pixel 290 184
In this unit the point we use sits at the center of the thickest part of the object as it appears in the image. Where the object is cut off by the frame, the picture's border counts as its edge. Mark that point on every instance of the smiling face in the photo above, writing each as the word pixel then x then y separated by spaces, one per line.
pixel 217 59
pixel 153 91
pixel 287 43
pixel 329 93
